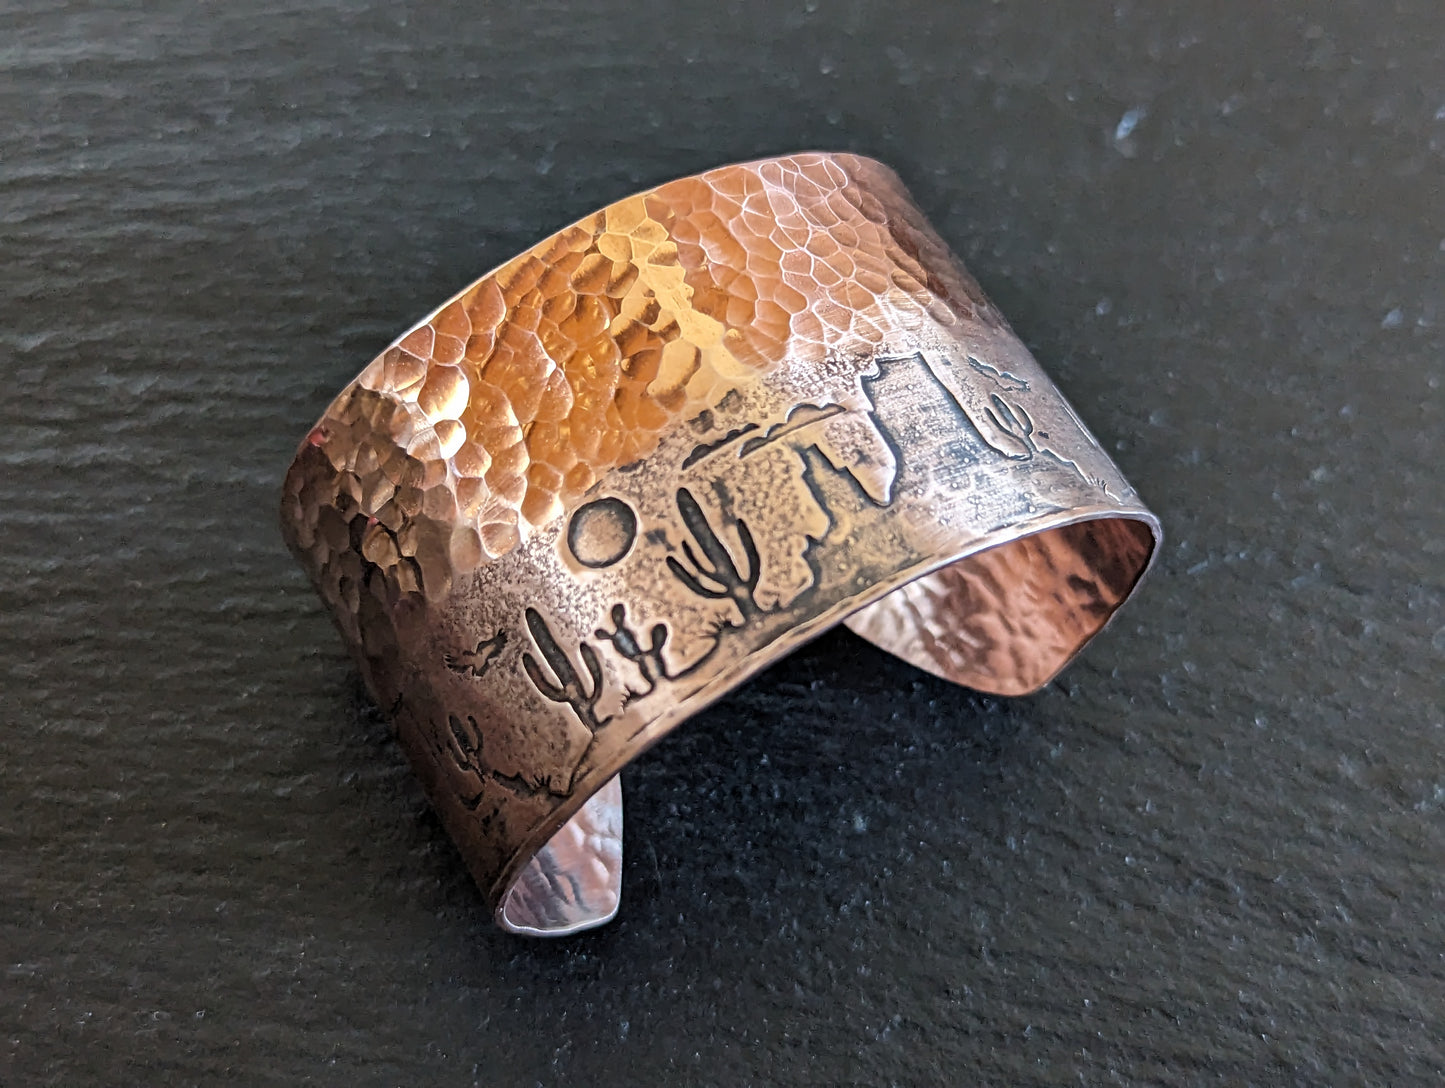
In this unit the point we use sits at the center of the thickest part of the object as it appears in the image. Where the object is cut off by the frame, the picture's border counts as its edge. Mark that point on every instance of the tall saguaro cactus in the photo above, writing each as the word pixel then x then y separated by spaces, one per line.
pixel 718 579
pixel 569 686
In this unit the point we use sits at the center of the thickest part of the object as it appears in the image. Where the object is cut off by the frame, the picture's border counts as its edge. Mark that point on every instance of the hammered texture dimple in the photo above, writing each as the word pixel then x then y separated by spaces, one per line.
pixel 495 414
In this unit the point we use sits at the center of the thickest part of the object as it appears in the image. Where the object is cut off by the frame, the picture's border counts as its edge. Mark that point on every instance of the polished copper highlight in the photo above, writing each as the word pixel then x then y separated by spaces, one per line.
pixel 619 474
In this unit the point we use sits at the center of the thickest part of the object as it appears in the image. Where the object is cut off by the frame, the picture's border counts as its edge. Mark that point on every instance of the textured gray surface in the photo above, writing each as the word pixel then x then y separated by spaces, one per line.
pixel 1211 854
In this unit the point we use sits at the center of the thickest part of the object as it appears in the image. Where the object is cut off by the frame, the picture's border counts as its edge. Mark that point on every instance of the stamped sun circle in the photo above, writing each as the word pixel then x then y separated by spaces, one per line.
pixel 602 532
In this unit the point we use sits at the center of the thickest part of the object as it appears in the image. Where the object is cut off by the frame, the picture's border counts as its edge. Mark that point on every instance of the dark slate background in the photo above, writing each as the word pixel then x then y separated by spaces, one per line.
pixel 1212 853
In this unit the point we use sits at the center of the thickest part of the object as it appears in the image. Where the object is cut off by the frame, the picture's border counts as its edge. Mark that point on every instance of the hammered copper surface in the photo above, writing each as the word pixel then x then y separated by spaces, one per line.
pixel 627 469
pixel 1003 620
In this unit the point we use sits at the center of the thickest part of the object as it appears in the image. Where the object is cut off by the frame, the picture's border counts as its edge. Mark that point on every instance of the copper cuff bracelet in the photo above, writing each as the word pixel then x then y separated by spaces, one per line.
pixel 626 470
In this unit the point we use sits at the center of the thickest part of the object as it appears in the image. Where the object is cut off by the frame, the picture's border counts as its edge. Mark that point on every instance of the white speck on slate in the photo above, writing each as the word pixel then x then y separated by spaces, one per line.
pixel 1129 122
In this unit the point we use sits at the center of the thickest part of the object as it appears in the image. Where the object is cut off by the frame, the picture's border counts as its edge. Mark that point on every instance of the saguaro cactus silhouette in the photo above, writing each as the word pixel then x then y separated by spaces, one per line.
pixel 464 744
pixel 1014 421
pixel 569 687
pixel 719 578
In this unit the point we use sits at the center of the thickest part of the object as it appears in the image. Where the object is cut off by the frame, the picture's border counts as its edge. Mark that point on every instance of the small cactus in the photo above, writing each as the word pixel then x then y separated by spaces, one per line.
pixel 569 687
pixel 648 659
pixel 1014 421
pixel 464 744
